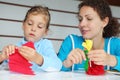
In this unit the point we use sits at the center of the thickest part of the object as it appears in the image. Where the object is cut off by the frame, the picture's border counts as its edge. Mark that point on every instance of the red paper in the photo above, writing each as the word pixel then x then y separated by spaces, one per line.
pixel 95 69
pixel 18 63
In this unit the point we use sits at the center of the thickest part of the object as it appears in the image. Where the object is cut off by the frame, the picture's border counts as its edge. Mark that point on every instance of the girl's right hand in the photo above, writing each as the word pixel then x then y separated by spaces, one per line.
pixel 8 50
pixel 75 56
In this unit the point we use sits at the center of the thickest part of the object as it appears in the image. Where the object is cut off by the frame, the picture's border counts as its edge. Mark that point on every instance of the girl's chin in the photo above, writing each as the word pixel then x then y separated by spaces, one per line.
pixel 31 40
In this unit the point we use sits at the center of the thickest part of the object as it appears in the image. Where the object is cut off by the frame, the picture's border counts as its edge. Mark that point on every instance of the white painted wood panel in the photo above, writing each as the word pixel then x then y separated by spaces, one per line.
pixel 62 32
pixel 12 12
pixel 18 13
pixel 11 28
pixel 67 5
pixel 115 11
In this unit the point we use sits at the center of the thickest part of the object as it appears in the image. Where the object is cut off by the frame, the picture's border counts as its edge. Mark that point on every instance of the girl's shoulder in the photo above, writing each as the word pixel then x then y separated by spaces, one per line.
pixel 44 42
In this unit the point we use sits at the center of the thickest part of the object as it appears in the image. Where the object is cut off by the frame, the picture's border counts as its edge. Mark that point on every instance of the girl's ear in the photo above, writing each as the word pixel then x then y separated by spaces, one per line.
pixel 46 32
pixel 105 21
pixel 23 25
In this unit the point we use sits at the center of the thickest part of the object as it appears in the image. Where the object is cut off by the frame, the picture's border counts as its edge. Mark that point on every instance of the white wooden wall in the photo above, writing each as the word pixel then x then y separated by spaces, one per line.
pixel 63 19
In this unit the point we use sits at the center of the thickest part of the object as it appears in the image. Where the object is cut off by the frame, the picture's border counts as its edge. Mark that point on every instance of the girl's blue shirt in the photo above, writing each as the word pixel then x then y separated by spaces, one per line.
pixel 66 47
pixel 45 48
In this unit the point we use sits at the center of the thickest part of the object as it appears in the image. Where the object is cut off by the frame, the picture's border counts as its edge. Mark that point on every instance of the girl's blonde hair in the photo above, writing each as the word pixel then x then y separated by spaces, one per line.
pixel 39 10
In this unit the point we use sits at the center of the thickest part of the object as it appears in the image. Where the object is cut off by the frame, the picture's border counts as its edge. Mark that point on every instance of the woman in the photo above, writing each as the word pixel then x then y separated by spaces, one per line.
pixel 97 24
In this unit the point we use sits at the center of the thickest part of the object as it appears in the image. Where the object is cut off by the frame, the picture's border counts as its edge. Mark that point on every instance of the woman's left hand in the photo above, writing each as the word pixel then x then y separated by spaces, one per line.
pixel 100 57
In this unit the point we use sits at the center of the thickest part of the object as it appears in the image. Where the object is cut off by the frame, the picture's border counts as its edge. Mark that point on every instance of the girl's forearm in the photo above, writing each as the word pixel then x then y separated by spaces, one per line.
pixel 1 58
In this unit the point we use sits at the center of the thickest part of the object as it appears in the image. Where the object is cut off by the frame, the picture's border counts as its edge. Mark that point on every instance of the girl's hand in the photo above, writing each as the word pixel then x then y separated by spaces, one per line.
pixel 31 55
pixel 8 50
pixel 3 57
pixel 75 56
pixel 100 57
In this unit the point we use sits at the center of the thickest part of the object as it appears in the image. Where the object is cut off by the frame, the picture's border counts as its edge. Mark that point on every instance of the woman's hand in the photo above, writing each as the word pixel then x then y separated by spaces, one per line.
pixel 31 55
pixel 74 57
pixel 100 57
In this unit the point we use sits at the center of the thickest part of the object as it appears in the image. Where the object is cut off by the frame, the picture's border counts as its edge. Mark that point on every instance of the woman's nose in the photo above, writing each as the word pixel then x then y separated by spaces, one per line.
pixel 82 23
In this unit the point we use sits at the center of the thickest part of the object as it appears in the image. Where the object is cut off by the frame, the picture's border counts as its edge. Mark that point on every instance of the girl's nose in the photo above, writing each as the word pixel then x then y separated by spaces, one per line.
pixel 33 29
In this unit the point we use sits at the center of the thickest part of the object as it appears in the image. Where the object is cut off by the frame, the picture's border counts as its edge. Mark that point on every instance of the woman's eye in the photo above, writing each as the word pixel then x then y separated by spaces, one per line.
pixel 80 19
pixel 89 18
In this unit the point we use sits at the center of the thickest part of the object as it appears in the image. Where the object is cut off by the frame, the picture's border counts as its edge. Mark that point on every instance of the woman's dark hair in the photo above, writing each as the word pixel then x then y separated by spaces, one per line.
pixel 103 10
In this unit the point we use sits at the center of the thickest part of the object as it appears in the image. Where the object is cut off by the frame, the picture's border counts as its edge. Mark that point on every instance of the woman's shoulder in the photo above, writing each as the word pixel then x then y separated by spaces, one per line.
pixel 113 40
pixel 76 39
pixel 74 36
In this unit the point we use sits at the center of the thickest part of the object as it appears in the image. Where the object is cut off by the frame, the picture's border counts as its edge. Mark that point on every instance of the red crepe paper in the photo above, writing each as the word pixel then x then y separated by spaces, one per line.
pixel 18 63
pixel 90 67
pixel 95 69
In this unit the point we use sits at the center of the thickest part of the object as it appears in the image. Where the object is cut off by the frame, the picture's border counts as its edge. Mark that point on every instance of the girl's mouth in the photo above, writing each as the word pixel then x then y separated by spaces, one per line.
pixel 31 34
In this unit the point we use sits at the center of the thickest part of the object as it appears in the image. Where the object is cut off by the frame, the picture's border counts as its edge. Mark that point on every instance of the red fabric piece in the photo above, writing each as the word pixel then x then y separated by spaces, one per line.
pixel 95 69
pixel 18 63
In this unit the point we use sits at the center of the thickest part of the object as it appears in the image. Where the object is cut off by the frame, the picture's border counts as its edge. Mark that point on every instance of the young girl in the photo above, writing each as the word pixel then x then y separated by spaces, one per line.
pixel 35 27
pixel 97 24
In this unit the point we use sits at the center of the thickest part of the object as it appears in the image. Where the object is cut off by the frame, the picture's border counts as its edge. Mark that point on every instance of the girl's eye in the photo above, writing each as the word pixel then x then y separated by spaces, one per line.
pixel 39 27
pixel 29 23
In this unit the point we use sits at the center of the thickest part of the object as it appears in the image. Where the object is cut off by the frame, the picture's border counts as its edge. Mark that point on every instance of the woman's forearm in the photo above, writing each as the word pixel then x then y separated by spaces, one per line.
pixel 67 63
pixel 112 61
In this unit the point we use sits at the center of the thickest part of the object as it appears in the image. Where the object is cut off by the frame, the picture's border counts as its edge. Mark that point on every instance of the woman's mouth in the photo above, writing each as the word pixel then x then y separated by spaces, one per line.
pixel 84 31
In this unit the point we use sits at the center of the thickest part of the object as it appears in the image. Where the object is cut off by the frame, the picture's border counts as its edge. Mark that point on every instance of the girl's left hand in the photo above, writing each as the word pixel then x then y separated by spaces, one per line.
pixel 27 52
pixel 30 54
pixel 100 57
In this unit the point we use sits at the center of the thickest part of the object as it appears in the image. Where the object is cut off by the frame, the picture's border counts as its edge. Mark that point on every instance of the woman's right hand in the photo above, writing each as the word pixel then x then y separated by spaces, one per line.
pixel 75 56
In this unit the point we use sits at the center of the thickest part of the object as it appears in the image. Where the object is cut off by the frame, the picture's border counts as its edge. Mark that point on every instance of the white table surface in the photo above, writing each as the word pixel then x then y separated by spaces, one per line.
pixel 6 75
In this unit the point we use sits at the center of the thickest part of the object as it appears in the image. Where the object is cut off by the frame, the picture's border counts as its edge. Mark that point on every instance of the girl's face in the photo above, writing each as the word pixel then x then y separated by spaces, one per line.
pixel 91 26
pixel 35 27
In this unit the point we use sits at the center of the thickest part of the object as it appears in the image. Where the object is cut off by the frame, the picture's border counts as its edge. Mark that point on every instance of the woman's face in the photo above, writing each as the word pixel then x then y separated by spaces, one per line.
pixel 90 24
